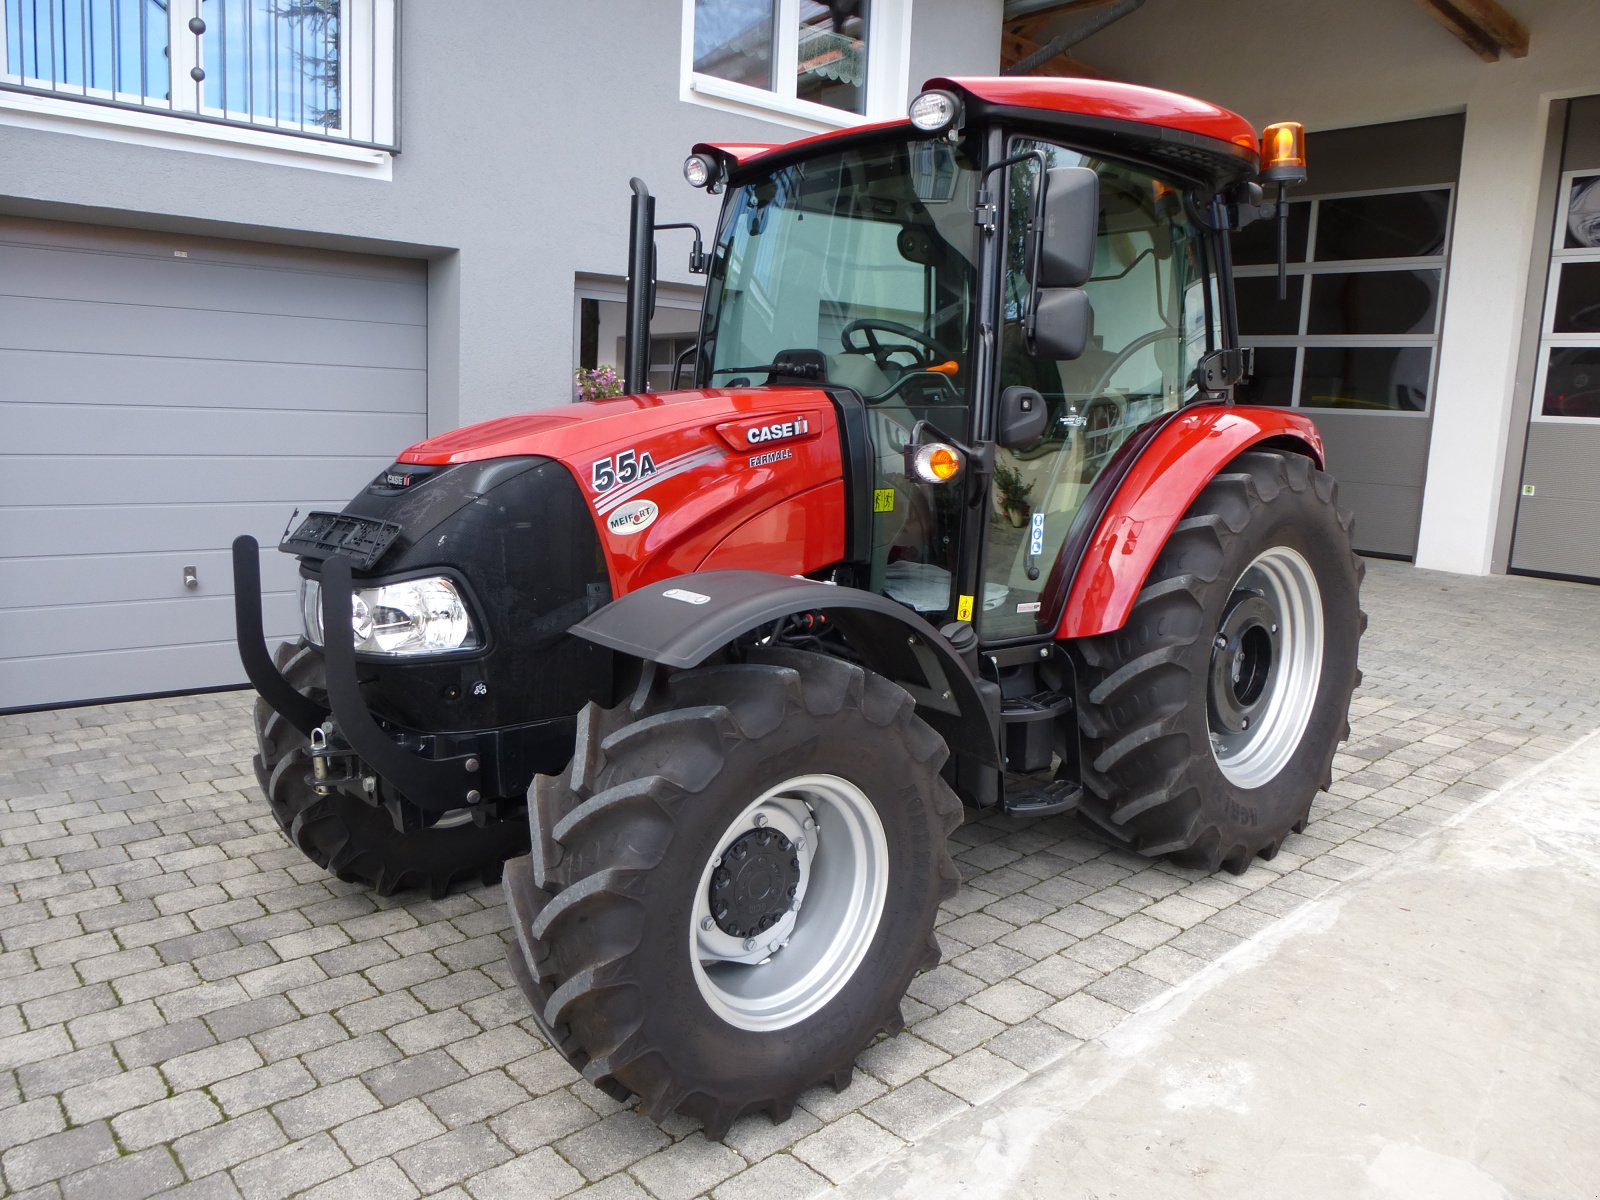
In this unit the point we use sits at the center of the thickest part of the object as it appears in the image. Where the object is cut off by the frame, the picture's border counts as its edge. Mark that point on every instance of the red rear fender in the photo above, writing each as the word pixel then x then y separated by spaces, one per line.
pixel 1169 473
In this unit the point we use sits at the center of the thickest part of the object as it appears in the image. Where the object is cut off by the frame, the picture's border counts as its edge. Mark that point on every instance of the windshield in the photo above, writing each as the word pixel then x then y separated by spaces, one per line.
pixel 865 255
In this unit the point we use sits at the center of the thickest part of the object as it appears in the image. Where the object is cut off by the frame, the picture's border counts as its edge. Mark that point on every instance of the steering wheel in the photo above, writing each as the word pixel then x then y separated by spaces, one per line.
pixel 925 351
pixel 1118 360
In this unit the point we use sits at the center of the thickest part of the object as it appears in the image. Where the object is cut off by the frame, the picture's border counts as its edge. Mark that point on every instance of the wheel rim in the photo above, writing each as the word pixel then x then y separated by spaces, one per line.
pixel 771 977
pixel 1266 663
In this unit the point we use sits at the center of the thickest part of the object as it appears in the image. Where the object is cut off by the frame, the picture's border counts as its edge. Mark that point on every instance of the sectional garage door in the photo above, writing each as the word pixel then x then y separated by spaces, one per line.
pixel 160 394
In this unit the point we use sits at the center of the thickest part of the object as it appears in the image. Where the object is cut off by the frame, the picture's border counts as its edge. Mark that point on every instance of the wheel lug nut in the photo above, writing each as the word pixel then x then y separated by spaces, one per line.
pixel 749 943
pixel 706 923
pixel 1244 722
pixel 1221 641
pixel 1273 628
pixel 761 820
pixel 800 844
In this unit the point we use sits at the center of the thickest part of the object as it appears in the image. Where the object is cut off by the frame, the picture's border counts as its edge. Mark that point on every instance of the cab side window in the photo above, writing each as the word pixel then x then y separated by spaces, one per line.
pixel 1153 320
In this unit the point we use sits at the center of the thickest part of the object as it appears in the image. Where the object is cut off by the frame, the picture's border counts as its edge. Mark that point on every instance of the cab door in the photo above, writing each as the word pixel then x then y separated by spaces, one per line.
pixel 1156 313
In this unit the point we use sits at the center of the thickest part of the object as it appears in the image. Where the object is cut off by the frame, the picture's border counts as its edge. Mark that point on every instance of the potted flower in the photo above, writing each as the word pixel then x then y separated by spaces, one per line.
pixel 598 383
pixel 1011 494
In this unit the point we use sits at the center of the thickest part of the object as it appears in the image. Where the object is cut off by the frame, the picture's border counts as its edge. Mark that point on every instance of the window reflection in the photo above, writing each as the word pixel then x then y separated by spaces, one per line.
pixel 1578 298
pixel 832 65
pixel 1367 377
pixel 1374 302
pixel 1393 225
pixel 1572 382
pixel 733 40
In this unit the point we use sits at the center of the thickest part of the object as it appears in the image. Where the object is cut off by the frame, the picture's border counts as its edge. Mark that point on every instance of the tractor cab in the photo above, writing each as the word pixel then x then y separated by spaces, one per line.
pixel 1011 292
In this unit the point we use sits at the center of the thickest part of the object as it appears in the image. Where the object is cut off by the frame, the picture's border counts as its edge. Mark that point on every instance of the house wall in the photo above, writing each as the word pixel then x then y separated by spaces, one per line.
pixel 520 128
pixel 1362 62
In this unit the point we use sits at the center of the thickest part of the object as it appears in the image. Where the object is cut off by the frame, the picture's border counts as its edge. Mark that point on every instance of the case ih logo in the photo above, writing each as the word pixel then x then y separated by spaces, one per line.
pixel 779 431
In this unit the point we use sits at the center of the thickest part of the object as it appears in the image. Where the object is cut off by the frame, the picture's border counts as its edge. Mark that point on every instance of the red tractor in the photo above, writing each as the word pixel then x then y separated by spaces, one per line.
pixel 956 513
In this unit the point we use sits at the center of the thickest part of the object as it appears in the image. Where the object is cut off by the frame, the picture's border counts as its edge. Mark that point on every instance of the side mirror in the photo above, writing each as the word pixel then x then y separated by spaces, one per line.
pixel 1060 260
pixel 1059 322
pixel 1021 419
pixel 1062 255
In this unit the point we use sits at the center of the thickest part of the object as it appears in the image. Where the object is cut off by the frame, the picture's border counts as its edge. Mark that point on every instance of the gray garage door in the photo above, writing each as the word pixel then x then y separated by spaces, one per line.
pixel 160 394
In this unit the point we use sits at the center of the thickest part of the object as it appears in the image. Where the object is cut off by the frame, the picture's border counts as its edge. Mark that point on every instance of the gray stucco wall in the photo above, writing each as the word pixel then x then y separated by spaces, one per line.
pixel 520 127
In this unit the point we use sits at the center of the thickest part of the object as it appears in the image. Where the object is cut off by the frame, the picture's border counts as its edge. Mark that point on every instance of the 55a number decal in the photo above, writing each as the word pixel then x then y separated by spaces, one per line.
pixel 607 473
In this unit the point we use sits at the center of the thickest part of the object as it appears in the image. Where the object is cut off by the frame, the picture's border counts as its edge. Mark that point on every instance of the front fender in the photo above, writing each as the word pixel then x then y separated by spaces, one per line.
pixel 680 622
pixel 1183 456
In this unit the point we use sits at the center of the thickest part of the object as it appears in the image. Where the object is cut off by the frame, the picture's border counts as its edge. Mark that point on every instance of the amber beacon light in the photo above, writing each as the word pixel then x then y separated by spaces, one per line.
pixel 1283 152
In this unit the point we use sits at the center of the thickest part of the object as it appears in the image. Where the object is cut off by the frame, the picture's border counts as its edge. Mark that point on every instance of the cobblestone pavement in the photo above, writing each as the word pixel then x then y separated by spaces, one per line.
pixel 186 1003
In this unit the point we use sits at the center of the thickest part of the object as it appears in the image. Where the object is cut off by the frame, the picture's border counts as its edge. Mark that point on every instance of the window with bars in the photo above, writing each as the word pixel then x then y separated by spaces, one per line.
pixel 319 68
pixel 1358 329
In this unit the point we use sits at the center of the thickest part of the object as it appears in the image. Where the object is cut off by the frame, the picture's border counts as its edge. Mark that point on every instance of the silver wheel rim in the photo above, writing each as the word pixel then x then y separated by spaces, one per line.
pixel 788 972
pixel 1266 663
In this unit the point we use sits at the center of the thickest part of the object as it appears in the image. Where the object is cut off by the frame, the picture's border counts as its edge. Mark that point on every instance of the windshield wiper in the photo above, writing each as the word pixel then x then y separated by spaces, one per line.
pixel 801 364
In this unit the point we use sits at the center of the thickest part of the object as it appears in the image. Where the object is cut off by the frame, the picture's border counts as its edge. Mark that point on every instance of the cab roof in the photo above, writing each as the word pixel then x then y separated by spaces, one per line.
pixel 1103 114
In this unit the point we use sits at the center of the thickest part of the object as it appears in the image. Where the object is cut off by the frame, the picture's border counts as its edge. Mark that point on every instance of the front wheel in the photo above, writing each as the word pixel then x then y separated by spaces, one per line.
pixel 735 883
pixel 1211 718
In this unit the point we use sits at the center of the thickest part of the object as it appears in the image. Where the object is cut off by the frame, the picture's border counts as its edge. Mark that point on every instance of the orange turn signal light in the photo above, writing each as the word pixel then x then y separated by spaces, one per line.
pixel 1283 152
pixel 936 463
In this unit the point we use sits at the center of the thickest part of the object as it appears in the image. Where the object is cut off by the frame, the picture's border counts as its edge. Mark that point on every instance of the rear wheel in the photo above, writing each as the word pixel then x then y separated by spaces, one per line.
pixel 357 840
pixel 1211 718
pixel 735 883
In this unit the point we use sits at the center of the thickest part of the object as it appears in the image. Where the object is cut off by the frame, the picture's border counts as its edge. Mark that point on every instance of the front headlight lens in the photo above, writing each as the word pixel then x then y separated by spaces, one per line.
pixel 417 616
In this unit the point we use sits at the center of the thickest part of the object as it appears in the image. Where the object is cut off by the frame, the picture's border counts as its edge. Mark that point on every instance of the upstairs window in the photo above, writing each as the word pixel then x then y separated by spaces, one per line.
pixel 817 64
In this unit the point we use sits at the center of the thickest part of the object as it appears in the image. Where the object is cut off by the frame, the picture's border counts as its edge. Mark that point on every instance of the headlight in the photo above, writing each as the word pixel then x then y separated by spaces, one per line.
pixel 418 616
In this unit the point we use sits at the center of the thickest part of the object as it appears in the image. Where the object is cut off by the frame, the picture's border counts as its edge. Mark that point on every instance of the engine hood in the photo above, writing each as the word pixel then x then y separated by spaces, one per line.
pixel 687 480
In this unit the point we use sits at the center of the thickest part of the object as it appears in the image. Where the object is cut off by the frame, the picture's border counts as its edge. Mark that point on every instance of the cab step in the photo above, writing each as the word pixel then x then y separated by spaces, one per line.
pixel 1045 800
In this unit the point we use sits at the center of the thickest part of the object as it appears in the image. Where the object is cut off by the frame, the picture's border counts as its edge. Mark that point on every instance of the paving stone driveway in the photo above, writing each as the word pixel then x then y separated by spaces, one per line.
pixel 186 1003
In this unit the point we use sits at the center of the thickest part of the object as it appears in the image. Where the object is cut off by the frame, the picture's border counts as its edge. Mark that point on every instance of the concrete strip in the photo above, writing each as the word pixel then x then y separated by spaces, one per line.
pixel 1425 1032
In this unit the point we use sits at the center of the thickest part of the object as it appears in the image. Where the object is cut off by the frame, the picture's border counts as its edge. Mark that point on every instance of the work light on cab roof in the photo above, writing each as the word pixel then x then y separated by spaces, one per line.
pixel 934 111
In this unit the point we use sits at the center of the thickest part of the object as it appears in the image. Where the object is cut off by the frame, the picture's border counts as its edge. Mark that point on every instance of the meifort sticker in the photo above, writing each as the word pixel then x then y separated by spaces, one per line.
pixel 632 517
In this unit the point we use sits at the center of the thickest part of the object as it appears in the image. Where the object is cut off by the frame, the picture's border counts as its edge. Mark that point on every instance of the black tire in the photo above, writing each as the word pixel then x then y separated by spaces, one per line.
pixel 355 840
pixel 623 844
pixel 1168 698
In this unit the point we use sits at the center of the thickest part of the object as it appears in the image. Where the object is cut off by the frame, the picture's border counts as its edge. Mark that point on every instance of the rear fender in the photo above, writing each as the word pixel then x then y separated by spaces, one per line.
pixel 680 622
pixel 1184 455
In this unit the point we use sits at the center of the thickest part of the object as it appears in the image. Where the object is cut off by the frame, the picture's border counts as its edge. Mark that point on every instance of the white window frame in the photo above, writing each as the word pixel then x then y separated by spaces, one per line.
pixel 365 76
pixel 888 72
pixel 1549 340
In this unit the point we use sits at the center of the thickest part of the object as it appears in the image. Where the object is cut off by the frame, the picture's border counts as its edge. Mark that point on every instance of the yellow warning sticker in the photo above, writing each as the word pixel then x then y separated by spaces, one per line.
pixel 882 500
pixel 964 608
